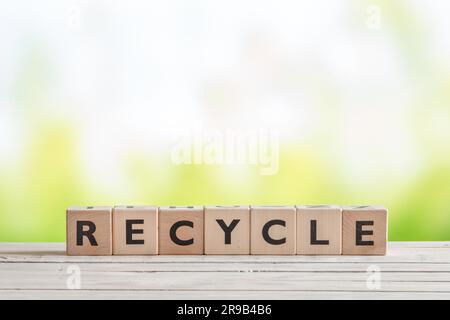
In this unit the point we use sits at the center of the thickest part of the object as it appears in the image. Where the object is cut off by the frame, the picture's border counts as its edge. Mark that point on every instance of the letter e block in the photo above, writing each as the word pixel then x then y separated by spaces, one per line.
pixel 364 230
pixel 227 230
pixel 319 230
pixel 135 230
pixel 273 230
pixel 89 231
pixel 181 230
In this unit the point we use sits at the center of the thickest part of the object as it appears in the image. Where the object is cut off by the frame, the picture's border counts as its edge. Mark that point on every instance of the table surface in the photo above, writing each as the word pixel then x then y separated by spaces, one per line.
pixel 411 270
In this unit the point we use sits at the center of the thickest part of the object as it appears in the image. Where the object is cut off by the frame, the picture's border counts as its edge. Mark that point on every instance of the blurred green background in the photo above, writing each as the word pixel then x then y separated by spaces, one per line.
pixel 92 94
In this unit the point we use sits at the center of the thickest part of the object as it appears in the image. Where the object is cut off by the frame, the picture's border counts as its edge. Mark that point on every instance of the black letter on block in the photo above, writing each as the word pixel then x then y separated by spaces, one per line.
pixel 88 233
pixel 360 232
pixel 173 233
pixel 314 234
pixel 265 232
pixel 130 231
pixel 228 229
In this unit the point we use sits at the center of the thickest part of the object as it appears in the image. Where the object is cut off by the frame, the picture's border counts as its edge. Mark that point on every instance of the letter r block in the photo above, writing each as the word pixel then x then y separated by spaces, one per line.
pixel 89 231
pixel 135 230
pixel 273 230
pixel 181 230
pixel 227 230
pixel 364 230
pixel 319 230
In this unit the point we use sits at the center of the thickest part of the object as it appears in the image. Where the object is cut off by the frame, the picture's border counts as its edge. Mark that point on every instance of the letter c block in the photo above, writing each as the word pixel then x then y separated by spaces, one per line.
pixel 273 230
pixel 181 230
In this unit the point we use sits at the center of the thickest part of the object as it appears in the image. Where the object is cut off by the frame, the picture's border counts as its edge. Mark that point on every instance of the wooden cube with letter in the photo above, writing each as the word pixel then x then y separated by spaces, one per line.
pixel 364 230
pixel 89 231
pixel 273 230
pixel 227 230
pixel 181 230
pixel 319 230
pixel 135 230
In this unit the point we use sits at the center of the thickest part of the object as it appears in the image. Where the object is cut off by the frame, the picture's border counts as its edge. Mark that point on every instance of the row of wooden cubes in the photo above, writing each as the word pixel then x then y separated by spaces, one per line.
pixel 196 230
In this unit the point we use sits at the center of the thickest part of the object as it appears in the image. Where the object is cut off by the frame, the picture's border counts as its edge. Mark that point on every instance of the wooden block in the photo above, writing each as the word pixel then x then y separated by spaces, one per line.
pixel 227 230
pixel 273 230
pixel 135 230
pixel 319 230
pixel 89 231
pixel 364 230
pixel 181 230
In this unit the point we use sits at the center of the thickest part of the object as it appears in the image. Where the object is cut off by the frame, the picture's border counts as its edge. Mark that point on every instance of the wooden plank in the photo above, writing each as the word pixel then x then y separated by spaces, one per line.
pixel 398 253
pixel 281 281
pixel 360 267
pixel 211 295
pixel 224 260
pixel 59 246
pixel 410 271
pixel 57 279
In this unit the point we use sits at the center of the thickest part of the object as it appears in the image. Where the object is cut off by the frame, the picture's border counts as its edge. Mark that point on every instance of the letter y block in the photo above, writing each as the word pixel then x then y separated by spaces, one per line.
pixel 227 230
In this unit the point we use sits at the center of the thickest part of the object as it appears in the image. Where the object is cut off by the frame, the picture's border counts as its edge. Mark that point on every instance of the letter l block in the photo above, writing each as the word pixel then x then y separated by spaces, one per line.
pixel 319 230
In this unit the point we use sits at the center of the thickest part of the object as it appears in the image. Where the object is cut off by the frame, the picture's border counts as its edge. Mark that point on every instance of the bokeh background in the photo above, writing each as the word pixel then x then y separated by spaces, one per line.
pixel 91 93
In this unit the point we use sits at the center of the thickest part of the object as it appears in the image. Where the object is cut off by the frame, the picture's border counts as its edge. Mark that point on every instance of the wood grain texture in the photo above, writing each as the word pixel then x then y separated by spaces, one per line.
pixel 100 220
pixel 373 231
pixel 410 270
pixel 259 217
pixel 168 217
pixel 145 227
pixel 238 241
pixel 326 222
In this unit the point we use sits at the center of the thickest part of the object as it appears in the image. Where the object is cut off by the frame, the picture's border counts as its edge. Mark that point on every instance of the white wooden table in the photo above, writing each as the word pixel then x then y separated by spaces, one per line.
pixel 411 270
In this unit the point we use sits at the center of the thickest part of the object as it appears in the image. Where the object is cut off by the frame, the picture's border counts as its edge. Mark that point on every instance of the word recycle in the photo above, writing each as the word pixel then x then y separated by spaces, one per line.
pixel 227 230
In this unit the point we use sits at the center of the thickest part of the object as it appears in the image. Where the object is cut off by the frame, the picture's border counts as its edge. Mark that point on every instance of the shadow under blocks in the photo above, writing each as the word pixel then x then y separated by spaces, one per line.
pixel 226 230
